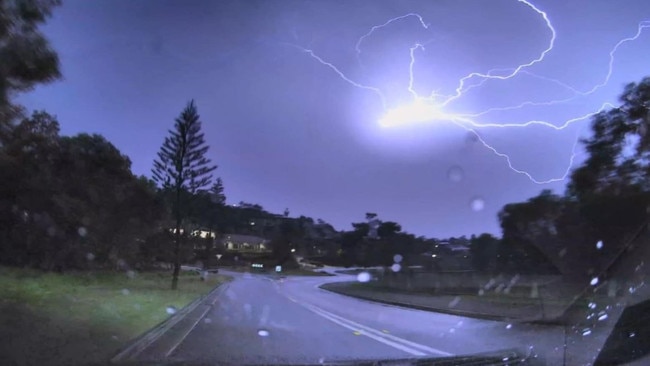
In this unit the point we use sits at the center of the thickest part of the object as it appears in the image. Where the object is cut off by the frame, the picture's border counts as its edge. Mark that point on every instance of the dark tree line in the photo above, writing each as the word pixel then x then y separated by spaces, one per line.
pixel 605 205
pixel 70 202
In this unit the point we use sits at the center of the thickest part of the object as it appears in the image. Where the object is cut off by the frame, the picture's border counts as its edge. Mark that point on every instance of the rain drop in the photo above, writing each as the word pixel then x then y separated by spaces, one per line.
pixel 82 231
pixel 594 281
pixel 395 267
pixel 477 204
pixel 207 320
pixel 455 173
pixel 481 292
pixel 471 138
pixel 592 305
pixel 632 335
pixel 125 291
pixel 90 256
pixel 508 326
pixel 363 277
pixel 586 332
pixel 130 274
pixel 562 253
pixel 602 317
pixel 599 245
pixel 171 310
pixel 263 333
pixel 452 330
pixel 397 258
pixel 454 302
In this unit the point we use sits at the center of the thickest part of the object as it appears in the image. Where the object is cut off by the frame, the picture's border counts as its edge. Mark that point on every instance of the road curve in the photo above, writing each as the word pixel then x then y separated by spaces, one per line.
pixel 262 319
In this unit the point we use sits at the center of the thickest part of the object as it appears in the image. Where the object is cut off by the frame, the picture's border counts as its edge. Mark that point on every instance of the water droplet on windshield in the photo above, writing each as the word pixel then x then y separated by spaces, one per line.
pixel 586 332
pixel 171 310
pixel 602 317
pixel 481 292
pixel 455 173
pixel 594 281
pixel 82 231
pixel 125 291
pixel 454 302
pixel 599 245
pixel 477 204
pixel 90 256
pixel 263 333
pixel 508 326
pixel 592 305
pixel 363 277
pixel 395 267
pixel 397 258
pixel 632 335
pixel 207 320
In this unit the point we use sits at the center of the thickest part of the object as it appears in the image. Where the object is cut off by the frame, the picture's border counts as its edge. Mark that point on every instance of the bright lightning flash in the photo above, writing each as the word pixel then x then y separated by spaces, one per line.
pixel 421 110
pixel 435 108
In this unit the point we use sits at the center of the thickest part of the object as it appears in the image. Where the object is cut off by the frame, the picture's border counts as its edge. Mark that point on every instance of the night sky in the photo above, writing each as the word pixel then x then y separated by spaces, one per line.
pixel 289 132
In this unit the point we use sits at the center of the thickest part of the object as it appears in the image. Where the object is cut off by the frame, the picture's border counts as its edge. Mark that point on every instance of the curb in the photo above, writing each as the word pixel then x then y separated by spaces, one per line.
pixel 468 314
pixel 144 340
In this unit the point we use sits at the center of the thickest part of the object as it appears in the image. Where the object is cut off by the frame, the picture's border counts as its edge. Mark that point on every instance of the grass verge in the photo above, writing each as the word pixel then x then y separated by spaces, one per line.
pixel 85 317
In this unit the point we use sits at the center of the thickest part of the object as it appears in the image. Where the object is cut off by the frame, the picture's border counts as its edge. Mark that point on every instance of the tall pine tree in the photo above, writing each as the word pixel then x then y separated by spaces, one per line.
pixel 183 168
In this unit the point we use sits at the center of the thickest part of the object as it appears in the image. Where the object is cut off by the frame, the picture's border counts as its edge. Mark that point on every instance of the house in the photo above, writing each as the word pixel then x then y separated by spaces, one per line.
pixel 245 243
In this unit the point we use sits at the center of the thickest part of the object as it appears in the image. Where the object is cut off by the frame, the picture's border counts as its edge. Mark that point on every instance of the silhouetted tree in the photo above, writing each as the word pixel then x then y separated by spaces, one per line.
pixel 26 56
pixel 182 166
pixel 483 250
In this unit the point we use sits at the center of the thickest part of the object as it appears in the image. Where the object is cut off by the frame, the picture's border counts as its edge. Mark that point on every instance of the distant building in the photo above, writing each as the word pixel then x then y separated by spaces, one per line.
pixel 245 243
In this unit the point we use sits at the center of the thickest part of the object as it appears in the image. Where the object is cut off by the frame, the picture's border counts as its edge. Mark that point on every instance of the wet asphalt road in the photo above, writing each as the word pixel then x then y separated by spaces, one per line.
pixel 263 319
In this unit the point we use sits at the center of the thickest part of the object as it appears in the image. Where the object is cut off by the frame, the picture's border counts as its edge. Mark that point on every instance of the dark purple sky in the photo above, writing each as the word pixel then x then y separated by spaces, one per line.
pixel 287 131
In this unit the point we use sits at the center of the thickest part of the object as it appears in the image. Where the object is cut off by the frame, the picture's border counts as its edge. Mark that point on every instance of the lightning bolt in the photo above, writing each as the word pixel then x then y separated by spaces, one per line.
pixel 434 107
pixel 372 30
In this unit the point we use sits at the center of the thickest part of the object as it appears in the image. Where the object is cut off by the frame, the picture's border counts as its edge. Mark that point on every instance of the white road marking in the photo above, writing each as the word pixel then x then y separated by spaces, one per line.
pixel 378 339
pixel 171 350
pixel 389 336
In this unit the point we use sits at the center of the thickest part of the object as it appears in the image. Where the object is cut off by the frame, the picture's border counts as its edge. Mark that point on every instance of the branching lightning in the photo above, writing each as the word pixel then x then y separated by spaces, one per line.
pixel 435 107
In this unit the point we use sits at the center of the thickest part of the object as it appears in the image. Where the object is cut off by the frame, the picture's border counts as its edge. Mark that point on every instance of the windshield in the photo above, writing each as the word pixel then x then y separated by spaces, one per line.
pixel 321 182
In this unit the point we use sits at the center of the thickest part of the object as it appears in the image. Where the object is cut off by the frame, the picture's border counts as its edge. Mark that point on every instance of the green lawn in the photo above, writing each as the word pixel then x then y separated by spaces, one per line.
pixel 87 316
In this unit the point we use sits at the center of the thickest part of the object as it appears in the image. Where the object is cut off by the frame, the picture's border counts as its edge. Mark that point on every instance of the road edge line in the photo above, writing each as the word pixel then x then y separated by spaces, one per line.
pixel 172 349
pixel 147 338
